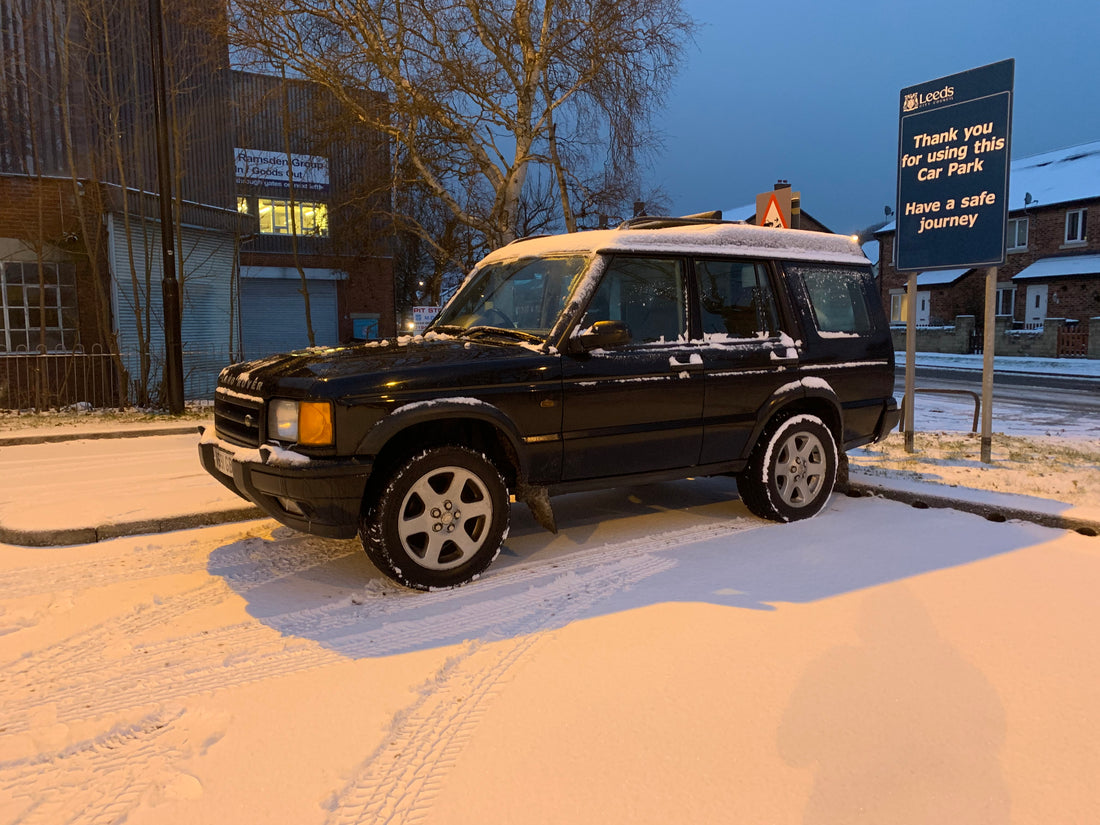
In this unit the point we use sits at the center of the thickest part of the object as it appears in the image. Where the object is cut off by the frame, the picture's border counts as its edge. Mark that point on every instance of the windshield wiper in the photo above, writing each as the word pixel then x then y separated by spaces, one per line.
pixel 519 334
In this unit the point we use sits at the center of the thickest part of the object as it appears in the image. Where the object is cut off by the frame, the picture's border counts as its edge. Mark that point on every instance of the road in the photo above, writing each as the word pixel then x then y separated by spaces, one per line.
pixel 1023 404
pixel 666 657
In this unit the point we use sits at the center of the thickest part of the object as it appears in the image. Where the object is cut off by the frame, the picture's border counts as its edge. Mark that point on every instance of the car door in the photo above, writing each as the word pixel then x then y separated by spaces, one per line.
pixel 635 407
pixel 747 350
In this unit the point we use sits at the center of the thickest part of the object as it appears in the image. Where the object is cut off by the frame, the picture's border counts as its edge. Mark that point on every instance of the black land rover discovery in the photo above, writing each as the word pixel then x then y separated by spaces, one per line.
pixel 669 347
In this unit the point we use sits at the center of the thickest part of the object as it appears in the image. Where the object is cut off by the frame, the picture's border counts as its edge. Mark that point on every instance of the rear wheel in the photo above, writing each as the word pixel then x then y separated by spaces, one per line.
pixel 439 521
pixel 792 470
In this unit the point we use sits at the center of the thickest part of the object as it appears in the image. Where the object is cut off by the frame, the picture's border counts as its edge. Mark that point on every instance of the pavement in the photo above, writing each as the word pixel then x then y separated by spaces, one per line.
pixel 80 485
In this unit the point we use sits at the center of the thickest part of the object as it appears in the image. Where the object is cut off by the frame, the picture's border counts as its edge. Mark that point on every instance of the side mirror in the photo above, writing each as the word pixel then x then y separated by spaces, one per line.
pixel 603 334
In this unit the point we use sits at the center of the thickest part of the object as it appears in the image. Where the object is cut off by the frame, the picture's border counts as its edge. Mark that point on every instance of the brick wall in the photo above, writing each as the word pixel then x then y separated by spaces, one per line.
pixel 45 211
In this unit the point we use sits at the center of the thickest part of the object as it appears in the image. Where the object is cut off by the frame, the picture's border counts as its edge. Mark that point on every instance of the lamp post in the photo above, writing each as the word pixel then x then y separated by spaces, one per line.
pixel 170 288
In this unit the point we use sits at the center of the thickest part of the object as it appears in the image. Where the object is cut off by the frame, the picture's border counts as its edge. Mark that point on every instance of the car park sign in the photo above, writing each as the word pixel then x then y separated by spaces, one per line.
pixel 953 160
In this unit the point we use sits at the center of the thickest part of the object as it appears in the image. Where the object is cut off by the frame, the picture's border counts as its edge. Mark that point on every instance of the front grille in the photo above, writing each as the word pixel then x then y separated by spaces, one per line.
pixel 237 417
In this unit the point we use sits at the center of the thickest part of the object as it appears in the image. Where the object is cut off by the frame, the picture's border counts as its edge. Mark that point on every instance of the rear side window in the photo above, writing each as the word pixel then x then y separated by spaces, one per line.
pixel 838 297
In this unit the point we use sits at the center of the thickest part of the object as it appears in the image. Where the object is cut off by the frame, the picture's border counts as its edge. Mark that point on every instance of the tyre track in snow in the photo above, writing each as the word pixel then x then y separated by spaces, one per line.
pixel 101 568
pixel 399 782
pixel 108 670
pixel 57 787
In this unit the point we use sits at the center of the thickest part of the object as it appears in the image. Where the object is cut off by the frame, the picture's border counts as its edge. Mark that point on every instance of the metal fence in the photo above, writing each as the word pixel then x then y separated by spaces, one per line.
pixel 100 379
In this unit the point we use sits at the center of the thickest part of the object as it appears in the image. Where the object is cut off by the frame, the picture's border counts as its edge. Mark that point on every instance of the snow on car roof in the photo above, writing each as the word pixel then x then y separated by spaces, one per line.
pixel 694 239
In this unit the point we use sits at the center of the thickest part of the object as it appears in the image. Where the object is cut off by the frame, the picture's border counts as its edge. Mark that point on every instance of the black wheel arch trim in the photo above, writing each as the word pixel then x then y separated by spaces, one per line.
pixel 797 393
pixel 454 408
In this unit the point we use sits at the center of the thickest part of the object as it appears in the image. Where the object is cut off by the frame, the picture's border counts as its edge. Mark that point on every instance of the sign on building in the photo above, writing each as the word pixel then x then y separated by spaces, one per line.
pixel 422 316
pixel 258 167
pixel 953 160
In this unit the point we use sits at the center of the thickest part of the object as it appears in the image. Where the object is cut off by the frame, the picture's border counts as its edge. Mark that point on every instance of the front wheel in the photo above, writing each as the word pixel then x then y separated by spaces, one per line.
pixel 792 470
pixel 439 521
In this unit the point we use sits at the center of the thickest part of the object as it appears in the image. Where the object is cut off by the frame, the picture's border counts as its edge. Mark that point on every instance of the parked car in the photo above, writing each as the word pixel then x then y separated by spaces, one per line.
pixel 666 348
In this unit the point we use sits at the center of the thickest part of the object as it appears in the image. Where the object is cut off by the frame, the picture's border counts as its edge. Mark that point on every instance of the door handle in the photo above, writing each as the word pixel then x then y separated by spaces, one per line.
pixel 694 363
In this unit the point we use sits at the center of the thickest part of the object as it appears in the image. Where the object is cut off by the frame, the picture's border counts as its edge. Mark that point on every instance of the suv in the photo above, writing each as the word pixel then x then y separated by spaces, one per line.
pixel 666 348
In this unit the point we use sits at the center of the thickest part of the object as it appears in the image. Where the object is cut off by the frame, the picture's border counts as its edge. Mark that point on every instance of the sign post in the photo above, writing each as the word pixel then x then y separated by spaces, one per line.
pixel 953 161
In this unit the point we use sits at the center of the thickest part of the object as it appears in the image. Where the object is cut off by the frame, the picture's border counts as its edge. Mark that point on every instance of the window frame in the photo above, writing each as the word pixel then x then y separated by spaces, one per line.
pixel 278 216
pixel 1080 225
pixel 64 306
pixel 1010 291
pixel 1013 229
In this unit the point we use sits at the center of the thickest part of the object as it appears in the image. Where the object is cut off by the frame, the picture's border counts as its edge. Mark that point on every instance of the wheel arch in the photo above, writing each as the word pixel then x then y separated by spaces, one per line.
pixel 464 422
pixel 801 398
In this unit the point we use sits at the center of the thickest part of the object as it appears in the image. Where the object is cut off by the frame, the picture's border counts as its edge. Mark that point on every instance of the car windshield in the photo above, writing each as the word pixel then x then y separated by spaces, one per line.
pixel 523 296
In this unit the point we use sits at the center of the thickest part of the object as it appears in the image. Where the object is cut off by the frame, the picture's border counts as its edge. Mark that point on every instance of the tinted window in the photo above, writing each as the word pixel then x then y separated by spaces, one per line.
pixel 647 294
pixel 838 297
pixel 736 299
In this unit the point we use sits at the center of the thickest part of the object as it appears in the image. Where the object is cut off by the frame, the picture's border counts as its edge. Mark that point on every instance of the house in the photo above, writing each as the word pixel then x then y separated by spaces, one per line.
pixel 1052 266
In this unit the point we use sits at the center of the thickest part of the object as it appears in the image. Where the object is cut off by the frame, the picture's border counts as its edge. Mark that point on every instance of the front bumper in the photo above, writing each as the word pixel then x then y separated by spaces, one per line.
pixel 328 494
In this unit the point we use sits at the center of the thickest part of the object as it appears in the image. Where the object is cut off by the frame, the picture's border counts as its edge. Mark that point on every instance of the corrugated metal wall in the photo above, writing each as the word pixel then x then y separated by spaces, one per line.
pixel 209 327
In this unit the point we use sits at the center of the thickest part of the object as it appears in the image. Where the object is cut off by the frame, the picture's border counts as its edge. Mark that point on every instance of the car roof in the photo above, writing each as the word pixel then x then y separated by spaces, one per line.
pixel 702 238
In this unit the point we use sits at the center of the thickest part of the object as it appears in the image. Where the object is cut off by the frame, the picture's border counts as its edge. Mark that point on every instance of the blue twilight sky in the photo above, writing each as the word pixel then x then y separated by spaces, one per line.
pixel 807 90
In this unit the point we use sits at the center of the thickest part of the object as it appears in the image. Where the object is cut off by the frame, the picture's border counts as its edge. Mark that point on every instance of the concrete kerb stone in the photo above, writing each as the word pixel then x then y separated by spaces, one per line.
pixel 38 436
pixel 991 511
pixel 66 537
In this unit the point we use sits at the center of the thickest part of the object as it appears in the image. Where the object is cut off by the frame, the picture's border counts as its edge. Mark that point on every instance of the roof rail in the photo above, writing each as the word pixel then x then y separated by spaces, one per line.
pixel 527 238
pixel 663 222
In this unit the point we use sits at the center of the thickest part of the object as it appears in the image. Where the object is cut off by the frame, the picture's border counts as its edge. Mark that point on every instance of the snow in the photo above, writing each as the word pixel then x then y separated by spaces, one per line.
pixel 783 244
pixel 666 657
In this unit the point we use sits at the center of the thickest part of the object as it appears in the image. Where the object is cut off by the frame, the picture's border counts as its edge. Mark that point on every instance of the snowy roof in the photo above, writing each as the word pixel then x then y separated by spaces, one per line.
pixel 741 213
pixel 1064 266
pixel 695 239
pixel 941 277
pixel 1061 176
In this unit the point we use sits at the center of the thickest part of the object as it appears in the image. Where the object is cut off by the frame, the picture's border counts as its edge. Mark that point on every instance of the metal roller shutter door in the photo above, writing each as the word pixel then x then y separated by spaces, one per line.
pixel 273 315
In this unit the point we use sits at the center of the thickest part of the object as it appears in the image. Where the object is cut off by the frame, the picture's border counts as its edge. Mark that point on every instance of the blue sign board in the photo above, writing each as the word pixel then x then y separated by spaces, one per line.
pixel 953 160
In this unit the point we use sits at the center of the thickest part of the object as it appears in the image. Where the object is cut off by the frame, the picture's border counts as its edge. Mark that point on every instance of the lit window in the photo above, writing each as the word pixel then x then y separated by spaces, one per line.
pixel 1075 226
pixel 242 204
pixel 898 303
pixel 281 217
pixel 1016 237
pixel 37 307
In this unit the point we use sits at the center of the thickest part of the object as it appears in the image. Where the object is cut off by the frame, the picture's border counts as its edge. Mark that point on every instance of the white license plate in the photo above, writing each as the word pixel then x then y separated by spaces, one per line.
pixel 223 461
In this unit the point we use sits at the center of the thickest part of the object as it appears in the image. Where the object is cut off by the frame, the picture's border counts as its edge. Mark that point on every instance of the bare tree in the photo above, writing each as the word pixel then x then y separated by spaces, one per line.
pixel 483 91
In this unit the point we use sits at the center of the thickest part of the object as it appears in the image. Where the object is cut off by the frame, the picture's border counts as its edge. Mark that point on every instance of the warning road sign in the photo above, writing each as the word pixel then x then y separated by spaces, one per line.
pixel 773 209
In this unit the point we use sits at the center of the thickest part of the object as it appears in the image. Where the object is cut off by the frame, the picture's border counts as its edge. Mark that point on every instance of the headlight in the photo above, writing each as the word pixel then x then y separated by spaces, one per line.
pixel 300 422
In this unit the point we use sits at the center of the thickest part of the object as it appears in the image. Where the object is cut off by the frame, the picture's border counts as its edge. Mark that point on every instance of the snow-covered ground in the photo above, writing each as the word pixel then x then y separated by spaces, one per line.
pixel 666 657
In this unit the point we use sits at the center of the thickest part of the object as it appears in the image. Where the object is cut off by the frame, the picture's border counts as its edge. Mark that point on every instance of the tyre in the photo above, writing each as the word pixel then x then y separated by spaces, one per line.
pixel 792 470
pixel 439 521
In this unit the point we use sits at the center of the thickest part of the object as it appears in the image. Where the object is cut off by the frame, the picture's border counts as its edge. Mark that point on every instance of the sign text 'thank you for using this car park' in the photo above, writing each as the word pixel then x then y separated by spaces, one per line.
pixel 953 156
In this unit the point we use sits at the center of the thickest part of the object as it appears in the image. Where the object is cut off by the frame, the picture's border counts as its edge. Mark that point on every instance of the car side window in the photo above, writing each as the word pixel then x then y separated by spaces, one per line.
pixel 838 297
pixel 646 294
pixel 736 299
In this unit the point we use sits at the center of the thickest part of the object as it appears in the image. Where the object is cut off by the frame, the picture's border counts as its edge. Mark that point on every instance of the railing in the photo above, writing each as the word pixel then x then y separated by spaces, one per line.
pixel 977 404
pixel 98 379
